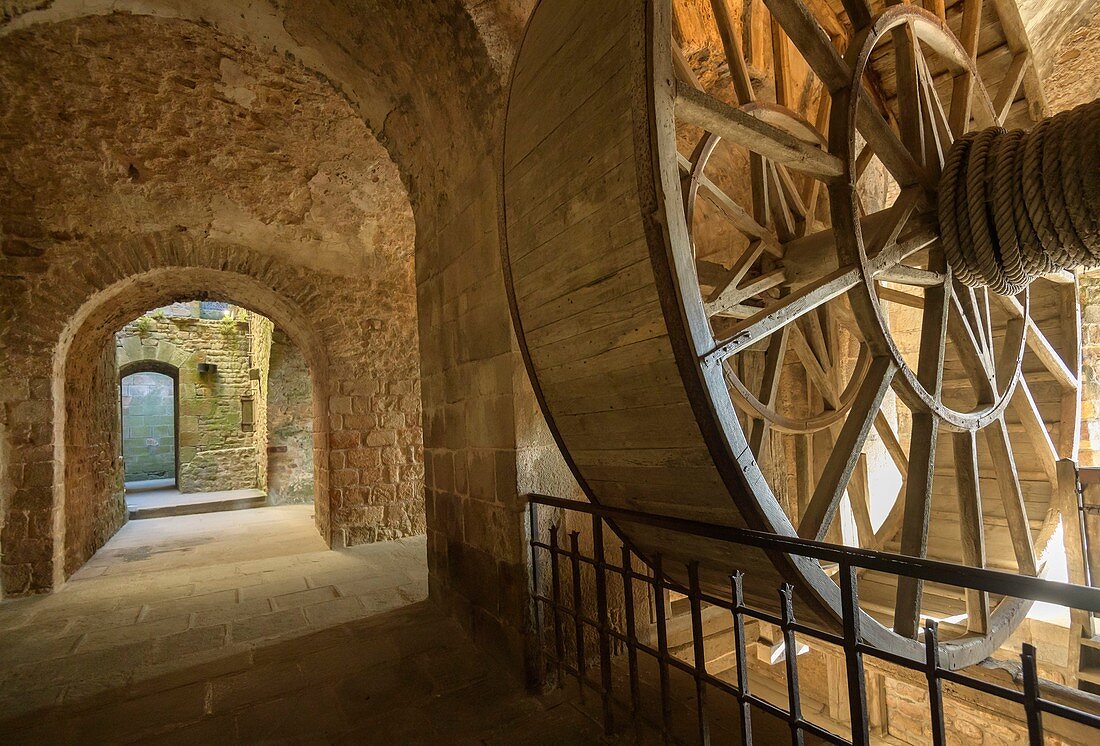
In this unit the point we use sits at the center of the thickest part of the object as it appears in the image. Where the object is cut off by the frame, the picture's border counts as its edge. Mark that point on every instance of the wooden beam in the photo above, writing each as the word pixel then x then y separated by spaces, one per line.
pixel 846 451
pixel 735 125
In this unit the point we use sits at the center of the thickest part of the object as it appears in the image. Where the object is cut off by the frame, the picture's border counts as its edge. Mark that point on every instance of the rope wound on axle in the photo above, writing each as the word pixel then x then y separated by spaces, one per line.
pixel 1015 205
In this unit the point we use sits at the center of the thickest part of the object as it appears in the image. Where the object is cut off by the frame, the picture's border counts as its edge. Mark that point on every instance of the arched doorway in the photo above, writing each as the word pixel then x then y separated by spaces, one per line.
pixel 149 411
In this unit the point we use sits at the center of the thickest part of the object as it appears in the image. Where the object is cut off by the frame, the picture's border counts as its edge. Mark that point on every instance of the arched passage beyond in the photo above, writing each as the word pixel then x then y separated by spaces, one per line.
pixel 89 503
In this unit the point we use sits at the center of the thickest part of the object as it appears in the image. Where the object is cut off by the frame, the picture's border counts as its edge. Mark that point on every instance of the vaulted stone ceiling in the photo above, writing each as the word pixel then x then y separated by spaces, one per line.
pixel 126 123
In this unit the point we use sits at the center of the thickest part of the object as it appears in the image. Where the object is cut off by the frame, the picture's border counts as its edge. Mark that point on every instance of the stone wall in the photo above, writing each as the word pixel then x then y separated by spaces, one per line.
pixel 215 452
pixel 92 473
pixel 260 330
pixel 148 426
pixel 289 429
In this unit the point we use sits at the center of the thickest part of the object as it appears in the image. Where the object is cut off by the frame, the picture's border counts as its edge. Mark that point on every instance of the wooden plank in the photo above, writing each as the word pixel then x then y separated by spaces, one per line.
pixel 735 125
pixel 971 523
pixel 846 451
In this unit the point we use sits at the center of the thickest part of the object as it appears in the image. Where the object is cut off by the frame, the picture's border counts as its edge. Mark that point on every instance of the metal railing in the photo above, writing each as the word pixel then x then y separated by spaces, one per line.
pixel 848 561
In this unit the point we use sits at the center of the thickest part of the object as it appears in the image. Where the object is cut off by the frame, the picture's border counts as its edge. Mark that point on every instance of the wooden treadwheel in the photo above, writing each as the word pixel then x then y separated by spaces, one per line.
pixel 672 233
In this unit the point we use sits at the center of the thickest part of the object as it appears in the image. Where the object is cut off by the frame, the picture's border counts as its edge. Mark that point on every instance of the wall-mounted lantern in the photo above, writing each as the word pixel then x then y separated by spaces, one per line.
pixel 248 414
pixel 207 368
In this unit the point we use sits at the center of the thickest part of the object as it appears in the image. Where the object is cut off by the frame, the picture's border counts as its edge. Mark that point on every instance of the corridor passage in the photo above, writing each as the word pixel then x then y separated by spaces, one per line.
pixel 242 626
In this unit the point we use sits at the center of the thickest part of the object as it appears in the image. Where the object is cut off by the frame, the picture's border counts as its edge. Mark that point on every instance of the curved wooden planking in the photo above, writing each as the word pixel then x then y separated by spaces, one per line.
pixel 610 319
pixel 588 271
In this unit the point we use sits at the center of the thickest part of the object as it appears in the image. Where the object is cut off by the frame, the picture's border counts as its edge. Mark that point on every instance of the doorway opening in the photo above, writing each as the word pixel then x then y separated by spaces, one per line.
pixel 216 408
pixel 148 400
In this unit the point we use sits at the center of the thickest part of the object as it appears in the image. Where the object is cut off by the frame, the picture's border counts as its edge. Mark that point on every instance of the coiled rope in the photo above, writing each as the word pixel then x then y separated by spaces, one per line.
pixel 1015 205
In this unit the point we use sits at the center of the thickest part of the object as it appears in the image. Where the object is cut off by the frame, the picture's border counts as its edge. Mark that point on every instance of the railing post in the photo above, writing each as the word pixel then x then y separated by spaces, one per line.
pixel 1031 696
pixel 699 652
pixel 555 591
pixel 631 634
pixel 853 658
pixel 602 622
pixel 662 646
pixel 536 677
pixel 935 686
pixel 790 658
pixel 737 583
pixel 578 624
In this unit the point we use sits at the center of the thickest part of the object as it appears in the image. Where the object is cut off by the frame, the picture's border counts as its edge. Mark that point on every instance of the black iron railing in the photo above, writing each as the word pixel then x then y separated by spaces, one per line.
pixel 553 643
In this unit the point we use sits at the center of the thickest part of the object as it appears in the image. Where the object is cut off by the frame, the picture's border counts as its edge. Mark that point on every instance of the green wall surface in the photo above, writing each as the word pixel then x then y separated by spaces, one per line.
pixel 148 426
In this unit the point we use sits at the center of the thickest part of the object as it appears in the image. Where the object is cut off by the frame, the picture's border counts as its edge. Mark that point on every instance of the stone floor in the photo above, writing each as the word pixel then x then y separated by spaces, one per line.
pixel 244 627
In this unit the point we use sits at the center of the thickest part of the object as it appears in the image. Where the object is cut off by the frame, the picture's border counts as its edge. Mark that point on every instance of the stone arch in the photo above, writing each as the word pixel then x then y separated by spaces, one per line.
pixel 170 369
pixel 82 457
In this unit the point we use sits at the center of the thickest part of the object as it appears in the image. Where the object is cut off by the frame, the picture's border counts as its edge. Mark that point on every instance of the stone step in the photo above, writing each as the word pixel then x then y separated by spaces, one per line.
pixel 238 500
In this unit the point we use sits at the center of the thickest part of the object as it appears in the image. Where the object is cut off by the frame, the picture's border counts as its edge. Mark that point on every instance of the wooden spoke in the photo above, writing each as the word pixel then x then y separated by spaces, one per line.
pixel 815 369
pixel 781 64
pixel 770 319
pixel 742 83
pixel 769 385
pixel 906 275
pixel 937 129
pixel 1023 404
pixel 683 67
pixel 846 451
pixel 971 350
pixel 859 13
pixel 910 116
pixel 917 511
pixel 731 123
pixel 962 90
pixel 733 212
pixel 1014 77
pixel 733 296
pixel 922 449
pixel 1012 495
pixel 971 522
pixel 732 278
pixel 1038 343
pixel 812 42
pixel 784 219
pixel 892 443
pixel 859 497
pixel 888 146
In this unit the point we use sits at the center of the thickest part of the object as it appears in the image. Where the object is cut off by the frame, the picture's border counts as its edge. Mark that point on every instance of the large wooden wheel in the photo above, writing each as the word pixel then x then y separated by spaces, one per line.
pixel 735 306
